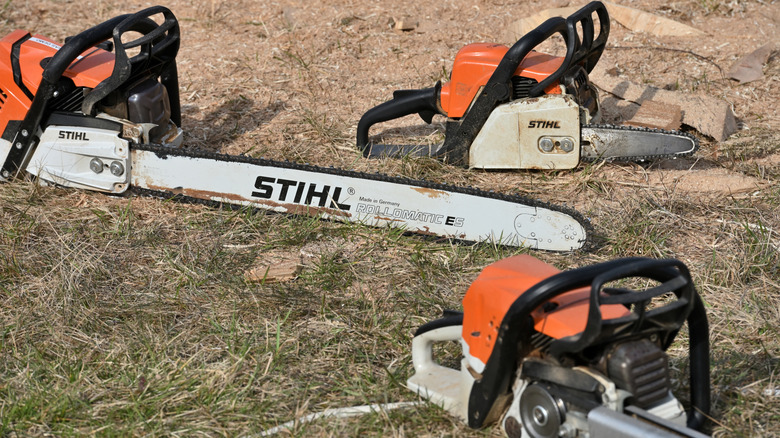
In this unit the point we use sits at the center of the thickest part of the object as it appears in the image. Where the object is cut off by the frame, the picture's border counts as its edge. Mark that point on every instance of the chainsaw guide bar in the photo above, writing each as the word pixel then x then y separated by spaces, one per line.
pixel 422 207
pixel 631 144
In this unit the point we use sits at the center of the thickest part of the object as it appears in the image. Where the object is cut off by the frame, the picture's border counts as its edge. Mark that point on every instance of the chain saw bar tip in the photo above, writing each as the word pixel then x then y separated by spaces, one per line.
pixel 583 48
pixel 24 139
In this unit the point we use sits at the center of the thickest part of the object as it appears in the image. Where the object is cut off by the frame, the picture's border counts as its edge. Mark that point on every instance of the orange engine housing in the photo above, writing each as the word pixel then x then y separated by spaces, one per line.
pixel 500 284
pixel 22 60
pixel 475 63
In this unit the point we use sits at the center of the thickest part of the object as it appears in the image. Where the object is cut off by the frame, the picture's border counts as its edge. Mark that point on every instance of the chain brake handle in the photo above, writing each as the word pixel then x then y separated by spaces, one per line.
pixel 158 42
pixel 154 39
pixel 584 50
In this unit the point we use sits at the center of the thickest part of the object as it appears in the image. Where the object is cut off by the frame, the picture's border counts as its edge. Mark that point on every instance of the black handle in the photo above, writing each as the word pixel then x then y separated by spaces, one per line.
pixel 502 76
pixel 672 275
pixel 699 352
pixel 583 51
pixel 76 46
pixel 158 46
pixel 424 102
pixel 578 50
pixel 449 318
pixel 590 49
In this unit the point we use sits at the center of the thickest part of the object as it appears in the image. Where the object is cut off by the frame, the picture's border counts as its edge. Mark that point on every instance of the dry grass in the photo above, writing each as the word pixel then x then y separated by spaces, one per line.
pixel 129 316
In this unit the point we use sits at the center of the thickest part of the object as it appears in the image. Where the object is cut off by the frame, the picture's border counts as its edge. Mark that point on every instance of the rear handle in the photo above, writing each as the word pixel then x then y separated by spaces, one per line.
pixel 423 102
pixel 422 345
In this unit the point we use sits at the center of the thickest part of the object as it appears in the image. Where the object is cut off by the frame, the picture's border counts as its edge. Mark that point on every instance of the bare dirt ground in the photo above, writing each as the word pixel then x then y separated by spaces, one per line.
pixel 289 80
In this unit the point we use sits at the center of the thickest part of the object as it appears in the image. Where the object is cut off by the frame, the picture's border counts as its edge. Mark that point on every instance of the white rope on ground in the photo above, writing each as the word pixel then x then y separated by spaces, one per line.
pixel 339 413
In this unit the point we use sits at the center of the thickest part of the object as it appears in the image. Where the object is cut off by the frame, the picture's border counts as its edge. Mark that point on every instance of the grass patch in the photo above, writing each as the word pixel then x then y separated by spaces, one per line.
pixel 135 313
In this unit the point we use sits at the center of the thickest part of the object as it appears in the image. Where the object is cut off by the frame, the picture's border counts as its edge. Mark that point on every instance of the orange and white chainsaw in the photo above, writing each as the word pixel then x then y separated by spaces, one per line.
pixel 516 108
pixel 579 353
pixel 101 112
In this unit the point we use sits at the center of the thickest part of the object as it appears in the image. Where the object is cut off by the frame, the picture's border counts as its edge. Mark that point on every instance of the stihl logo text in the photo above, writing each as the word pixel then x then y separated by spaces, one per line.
pixel 299 192
pixel 547 124
pixel 73 135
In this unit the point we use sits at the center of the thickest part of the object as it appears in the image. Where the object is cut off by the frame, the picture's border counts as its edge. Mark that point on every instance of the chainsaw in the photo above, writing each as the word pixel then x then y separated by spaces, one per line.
pixel 517 108
pixel 101 112
pixel 577 353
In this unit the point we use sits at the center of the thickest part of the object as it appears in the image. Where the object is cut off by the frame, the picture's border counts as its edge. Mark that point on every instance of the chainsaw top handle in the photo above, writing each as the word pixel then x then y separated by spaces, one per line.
pixel 158 46
pixel 584 51
pixel 162 38
pixel 660 323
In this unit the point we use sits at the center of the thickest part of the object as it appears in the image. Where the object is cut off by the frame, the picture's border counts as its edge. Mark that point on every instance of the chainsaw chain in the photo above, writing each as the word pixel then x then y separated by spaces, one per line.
pixel 641 158
pixel 163 151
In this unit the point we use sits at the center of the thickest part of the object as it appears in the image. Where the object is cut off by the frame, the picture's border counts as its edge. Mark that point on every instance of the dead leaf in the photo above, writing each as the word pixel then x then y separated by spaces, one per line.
pixel 751 66
pixel 276 273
